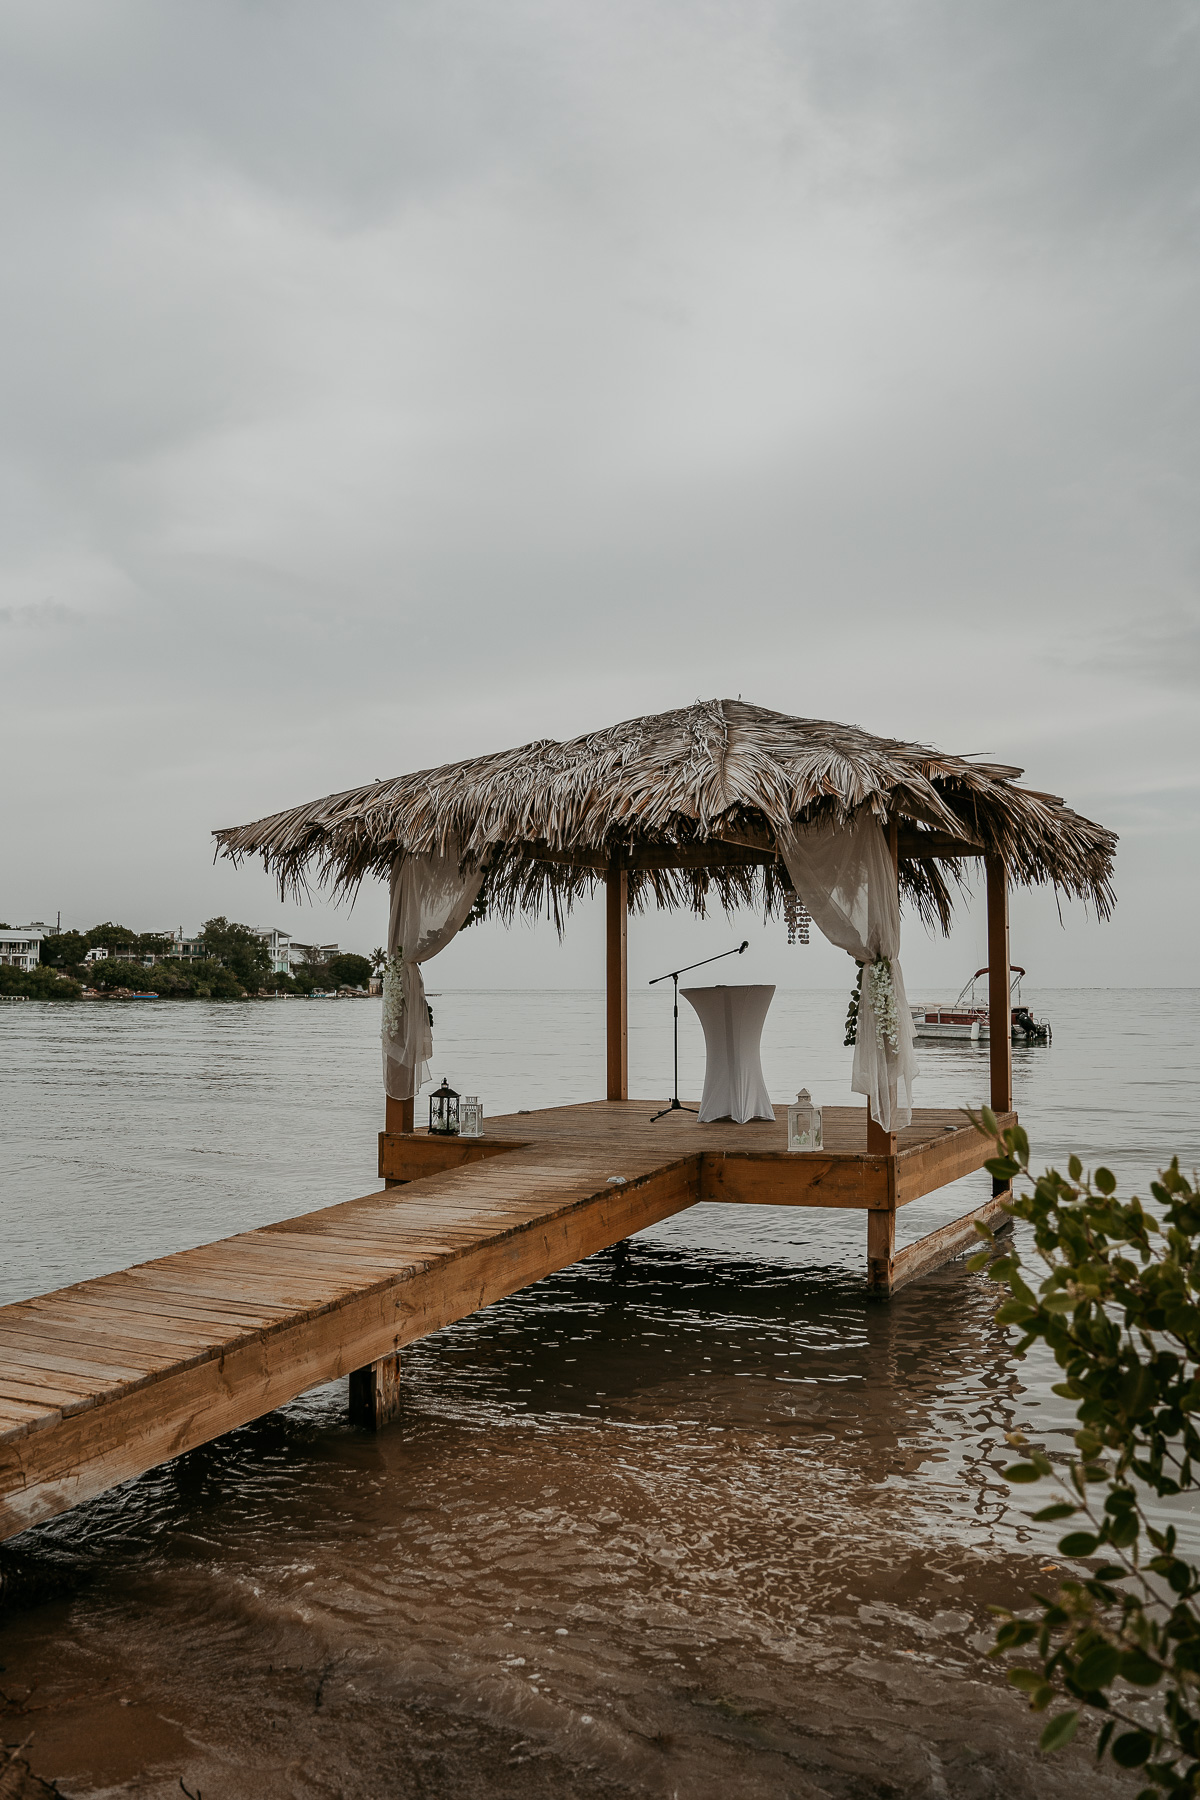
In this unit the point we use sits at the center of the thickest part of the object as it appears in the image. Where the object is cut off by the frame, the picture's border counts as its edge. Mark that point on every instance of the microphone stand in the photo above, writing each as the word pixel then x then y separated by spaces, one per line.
pixel 673 975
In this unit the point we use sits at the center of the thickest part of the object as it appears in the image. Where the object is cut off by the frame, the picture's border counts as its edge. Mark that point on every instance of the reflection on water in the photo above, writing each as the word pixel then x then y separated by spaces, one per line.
pixel 691 1518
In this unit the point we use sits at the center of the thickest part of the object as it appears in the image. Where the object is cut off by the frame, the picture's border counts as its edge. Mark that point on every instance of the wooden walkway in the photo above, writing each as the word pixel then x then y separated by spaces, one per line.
pixel 101 1381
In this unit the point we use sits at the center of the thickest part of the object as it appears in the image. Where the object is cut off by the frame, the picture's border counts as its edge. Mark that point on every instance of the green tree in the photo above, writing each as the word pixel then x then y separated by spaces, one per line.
pixel 110 937
pixel 1119 1307
pixel 64 949
pixel 39 983
pixel 115 972
pixel 348 970
pixel 240 949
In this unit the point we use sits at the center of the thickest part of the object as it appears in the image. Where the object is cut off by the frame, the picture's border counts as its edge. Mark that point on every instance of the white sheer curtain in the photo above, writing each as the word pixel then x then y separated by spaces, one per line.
pixel 430 900
pixel 845 877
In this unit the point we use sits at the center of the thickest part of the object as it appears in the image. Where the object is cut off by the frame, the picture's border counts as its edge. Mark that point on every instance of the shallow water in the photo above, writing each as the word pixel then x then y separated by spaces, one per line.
pixel 691 1518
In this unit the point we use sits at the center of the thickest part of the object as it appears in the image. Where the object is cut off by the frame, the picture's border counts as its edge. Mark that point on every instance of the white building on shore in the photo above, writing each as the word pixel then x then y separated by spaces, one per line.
pixel 21 947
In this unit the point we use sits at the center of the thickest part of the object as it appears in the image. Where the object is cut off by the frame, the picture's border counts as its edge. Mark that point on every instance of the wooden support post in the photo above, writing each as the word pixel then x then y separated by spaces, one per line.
pixel 999 1002
pixel 881 1252
pixel 617 980
pixel 398 1114
pixel 881 1226
pixel 375 1394
pixel 999 998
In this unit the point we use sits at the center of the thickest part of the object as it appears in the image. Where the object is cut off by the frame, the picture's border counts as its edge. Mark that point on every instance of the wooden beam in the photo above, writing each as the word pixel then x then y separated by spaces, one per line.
pixel 955 1239
pixel 376 1397
pixel 940 1160
pixel 783 1178
pixel 999 1003
pixel 915 844
pixel 617 980
pixel 412 1158
pixel 711 855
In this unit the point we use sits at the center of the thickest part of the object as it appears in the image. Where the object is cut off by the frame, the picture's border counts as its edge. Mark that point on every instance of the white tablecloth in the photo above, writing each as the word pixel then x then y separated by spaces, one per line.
pixel 732 1018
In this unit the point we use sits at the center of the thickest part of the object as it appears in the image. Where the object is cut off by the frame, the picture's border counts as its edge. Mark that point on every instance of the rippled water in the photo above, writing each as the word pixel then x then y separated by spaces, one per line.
pixel 692 1518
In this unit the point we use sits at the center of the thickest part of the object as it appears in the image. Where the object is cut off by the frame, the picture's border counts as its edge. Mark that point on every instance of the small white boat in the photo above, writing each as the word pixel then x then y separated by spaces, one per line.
pixel 946 1022
pixel 968 1022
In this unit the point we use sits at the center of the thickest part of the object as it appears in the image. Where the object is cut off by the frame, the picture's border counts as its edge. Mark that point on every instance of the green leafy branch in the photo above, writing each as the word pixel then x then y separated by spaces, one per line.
pixel 1119 1308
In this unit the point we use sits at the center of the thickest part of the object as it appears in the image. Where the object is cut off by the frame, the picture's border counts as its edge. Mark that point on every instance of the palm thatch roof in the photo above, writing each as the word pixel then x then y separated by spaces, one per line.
pixel 689 802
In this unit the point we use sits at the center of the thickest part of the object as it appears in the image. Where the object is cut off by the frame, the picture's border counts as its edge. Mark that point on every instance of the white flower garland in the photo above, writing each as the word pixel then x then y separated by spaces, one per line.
pixel 393 997
pixel 883 1003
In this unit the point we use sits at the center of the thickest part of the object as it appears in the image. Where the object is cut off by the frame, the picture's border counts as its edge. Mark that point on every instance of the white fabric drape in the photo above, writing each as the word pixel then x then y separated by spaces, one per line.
pixel 430 899
pixel 845 876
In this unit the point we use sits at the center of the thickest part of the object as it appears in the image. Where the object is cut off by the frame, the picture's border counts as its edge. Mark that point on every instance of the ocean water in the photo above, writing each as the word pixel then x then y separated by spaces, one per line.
pixel 692 1518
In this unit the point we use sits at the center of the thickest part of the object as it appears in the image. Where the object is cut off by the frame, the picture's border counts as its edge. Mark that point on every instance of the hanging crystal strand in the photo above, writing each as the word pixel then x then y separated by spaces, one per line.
pixel 798 918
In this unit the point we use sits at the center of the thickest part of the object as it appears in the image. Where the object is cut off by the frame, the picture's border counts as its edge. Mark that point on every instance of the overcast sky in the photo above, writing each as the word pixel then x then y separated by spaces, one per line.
pixel 386 383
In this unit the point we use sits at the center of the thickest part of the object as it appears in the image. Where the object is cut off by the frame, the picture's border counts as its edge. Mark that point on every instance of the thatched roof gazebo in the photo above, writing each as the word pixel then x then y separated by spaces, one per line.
pixel 721 801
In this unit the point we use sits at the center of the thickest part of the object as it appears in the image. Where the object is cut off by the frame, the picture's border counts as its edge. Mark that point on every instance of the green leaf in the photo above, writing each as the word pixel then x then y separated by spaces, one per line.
pixel 1022 1472
pixel 1030 1680
pixel 1078 1543
pixel 1106 1181
pixel 1123 1531
pixel 1141 1669
pixel 1015 1312
pixel 1075 1168
pixel 1062 1509
pixel 1099 1668
pixel 989 1121
pixel 1059 1732
pixel 1059 1301
pixel 1132 1749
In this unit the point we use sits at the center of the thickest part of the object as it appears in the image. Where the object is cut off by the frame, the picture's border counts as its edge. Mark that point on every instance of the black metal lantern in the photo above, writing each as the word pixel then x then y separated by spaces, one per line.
pixel 443 1111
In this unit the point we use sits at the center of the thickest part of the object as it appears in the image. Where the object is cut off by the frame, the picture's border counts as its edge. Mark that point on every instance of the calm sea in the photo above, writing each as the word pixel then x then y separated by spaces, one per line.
pixel 691 1519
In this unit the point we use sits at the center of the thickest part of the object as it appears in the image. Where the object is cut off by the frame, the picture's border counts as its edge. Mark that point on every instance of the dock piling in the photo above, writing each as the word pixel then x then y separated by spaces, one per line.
pixel 375 1394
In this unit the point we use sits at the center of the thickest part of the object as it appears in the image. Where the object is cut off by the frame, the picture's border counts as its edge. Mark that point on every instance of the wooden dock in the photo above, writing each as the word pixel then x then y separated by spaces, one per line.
pixel 106 1379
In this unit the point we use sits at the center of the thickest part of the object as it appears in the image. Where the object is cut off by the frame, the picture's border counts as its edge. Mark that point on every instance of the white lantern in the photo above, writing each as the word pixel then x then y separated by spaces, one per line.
pixel 804 1123
pixel 471 1117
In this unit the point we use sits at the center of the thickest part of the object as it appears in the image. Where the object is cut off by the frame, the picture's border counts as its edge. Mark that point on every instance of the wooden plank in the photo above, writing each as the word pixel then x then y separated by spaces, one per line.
pixel 941 1160
pixel 59 1341
pixel 158 1321
pixel 15 1356
pixel 616 890
pixel 999 1003
pixel 955 1239
pixel 35 1391
pixel 138 1356
pixel 174 1307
